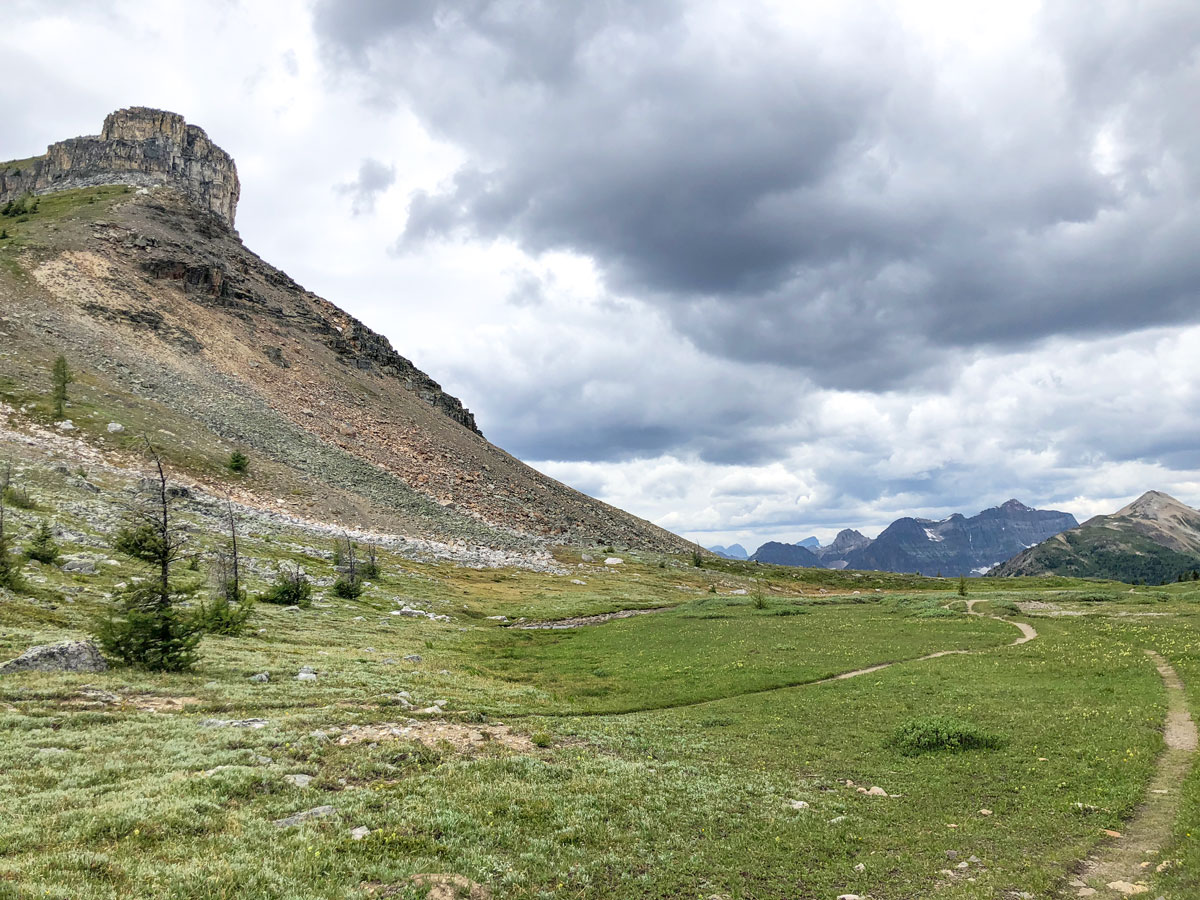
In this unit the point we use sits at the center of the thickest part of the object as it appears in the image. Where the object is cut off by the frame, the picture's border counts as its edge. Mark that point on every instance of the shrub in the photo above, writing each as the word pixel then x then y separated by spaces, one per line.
pixel 930 734
pixel 758 596
pixel 540 738
pixel 369 567
pixel 291 588
pixel 347 588
pixel 238 462
pixel 228 612
pixel 18 498
pixel 42 546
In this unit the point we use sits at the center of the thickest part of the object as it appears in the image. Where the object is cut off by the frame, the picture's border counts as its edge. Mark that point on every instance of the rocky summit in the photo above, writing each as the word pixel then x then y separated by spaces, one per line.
pixel 137 146
pixel 1154 539
pixel 119 253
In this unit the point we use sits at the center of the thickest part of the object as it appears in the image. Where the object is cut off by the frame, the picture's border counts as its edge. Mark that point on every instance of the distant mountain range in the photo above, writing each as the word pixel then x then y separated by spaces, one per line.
pixel 1154 539
pixel 733 551
pixel 955 546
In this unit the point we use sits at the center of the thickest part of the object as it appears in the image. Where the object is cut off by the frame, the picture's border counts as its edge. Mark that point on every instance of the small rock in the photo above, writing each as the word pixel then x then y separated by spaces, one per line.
pixel 875 791
pixel 1086 892
pixel 985 812
pixel 115 428
pixel 299 779
pixel 1127 888
pixel 861 867
pixel 314 813
pixel 66 425
pixel 963 865
pixel 614 561
pixel 79 565
pixel 837 820
pixel 799 804
pixel 307 676
pixel 578 581
pixel 412 658
pixel 951 854
pixel 360 832
pixel 261 677
pixel 848 897
pixel 234 723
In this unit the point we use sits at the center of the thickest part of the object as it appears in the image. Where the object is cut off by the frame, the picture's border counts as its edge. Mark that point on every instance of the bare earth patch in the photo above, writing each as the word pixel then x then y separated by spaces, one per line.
pixel 581 621
pixel 97 698
pixel 1123 867
pixel 434 734
pixel 441 887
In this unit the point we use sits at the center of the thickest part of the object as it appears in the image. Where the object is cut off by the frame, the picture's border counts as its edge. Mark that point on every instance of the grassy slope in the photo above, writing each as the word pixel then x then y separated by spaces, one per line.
pixel 110 800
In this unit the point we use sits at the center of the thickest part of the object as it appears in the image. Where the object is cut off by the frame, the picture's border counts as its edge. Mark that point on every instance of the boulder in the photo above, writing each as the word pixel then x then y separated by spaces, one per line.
pixel 69 656
pixel 79 565
pixel 116 428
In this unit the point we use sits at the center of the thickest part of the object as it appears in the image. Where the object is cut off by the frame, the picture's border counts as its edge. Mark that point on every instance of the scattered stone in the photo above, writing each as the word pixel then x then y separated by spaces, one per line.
pixel 837 820
pixel 1110 832
pixel 586 557
pixel 848 897
pixel 497 618
pixel 1086 892
pixel 873 791
pixel 412 658
pixel 985 812
pixel 614 561
pixel 234 723
pixel 1127 888
pixel 314 813
pixel 115 428
pixel 436 733
pixel 68 656
pixel 261 677
pixel 299 779
pixel 963 865
pixel 307 676
pixel 951 854
pixel 578 581
pixel 799 804
pixel 861 867
pixel 360 832
pixel 66 425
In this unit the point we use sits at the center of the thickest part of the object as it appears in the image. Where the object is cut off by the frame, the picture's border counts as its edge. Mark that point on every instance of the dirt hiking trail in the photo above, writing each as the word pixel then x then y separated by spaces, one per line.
pixel 1124 867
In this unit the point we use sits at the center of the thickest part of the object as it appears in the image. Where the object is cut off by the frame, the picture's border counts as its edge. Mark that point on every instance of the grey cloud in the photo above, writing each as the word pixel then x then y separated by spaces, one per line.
pixel 373 179
pixel 828 210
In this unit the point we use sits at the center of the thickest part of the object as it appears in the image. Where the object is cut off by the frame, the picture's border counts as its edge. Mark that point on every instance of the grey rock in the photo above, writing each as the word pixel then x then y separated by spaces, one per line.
pixel 234 723
pixel 360 832
pixel 412 658
pixel 69 656
pixel 261 677
pixel 307 676
pixel 314 813
pixel 79 565
pixel 299 779
pixel 115 428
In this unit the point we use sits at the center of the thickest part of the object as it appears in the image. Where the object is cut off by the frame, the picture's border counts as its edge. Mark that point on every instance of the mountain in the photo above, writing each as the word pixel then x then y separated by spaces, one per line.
pixel 959 545
pixel 733 551
pixel 834 555
pixel 119 251
pixel 778 554
pixel 1153 539
pixel 810 542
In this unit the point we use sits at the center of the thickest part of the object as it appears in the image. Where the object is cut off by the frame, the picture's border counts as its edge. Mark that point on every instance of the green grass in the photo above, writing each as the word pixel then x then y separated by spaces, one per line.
pixel 668 748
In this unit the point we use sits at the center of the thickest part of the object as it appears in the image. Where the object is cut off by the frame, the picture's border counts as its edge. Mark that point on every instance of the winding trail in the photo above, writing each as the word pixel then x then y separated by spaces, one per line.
pixel 1028 633
pixel 1122 868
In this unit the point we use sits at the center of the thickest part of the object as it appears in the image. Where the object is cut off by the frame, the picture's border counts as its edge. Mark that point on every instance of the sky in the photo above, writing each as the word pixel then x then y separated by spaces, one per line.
pixel 752 271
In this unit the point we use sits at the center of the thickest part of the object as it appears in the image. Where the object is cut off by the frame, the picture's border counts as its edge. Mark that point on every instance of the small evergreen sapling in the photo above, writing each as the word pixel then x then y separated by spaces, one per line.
pixel 61 376
pixel 146 626
pixel 42 546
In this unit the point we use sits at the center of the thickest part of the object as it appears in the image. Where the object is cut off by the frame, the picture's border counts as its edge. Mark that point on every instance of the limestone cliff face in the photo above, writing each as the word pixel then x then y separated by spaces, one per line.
pixel 138 146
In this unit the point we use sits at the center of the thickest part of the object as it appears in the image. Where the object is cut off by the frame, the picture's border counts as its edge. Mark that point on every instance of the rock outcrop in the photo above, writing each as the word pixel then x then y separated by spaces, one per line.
pixel 137 146
pixel 70 656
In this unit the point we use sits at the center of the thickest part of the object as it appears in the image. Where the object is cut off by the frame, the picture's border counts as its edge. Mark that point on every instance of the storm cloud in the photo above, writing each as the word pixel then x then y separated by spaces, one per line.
pixel 831 194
